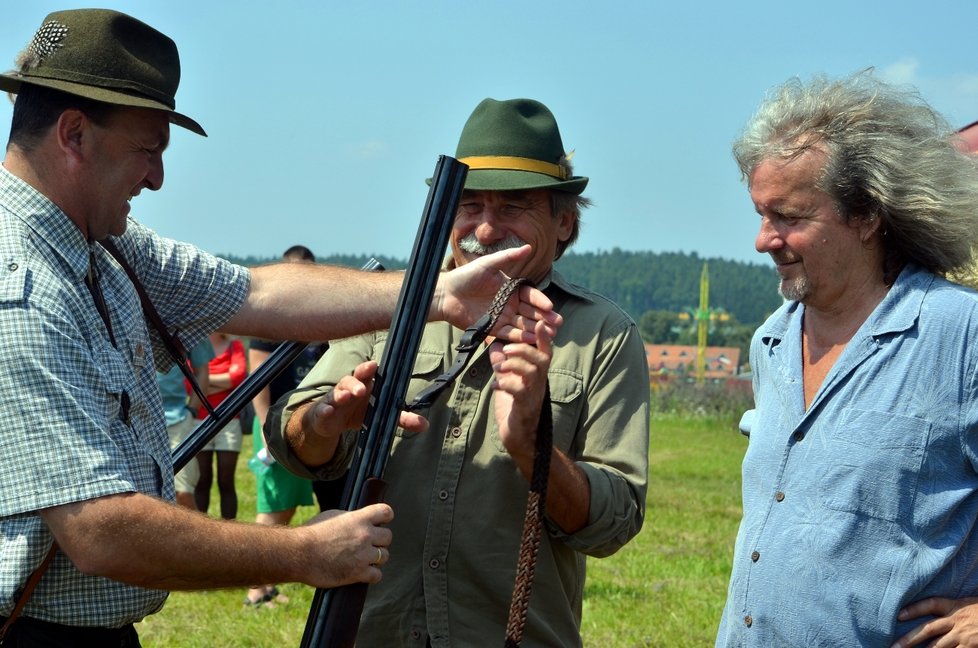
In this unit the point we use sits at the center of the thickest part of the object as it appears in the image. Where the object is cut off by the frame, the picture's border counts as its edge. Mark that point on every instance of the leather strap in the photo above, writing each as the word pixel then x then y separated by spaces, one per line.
pixel 471 339
pixel 536 505
pixel 91 281
pixel 28 589
pixel 537 501
pixel 171 341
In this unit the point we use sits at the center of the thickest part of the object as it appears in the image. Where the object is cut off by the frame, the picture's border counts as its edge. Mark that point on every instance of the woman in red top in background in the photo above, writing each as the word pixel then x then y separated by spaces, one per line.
pixel 227 370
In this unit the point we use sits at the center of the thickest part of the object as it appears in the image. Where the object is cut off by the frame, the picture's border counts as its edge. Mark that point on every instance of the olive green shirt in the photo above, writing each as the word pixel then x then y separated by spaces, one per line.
pixel 459 499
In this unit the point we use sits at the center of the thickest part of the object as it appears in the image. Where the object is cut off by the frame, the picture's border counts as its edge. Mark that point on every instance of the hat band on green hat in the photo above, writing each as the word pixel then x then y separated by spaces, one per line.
pixel 512 163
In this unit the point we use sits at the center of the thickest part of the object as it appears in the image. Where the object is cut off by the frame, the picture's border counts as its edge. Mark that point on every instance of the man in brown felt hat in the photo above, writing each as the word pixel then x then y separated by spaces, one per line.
pixel 460 488
pixel 87 467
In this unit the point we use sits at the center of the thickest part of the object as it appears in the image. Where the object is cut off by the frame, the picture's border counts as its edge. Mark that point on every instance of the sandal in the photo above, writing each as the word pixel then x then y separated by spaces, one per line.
pixel 274 595
pixel 257 603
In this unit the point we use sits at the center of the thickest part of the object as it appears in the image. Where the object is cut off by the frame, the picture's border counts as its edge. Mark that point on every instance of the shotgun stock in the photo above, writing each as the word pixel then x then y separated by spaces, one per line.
pixel 334 617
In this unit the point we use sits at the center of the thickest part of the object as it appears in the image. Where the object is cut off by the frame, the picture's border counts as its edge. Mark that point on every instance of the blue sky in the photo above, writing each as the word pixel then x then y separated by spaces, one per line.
pixel 324 118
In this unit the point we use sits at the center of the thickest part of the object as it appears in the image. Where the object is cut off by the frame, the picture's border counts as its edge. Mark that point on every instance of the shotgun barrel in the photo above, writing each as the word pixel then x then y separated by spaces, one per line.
pixel 334 617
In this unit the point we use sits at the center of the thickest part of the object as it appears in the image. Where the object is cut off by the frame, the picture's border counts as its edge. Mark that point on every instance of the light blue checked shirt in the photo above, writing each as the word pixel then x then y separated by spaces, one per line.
pixel 65 438
pixel 869 500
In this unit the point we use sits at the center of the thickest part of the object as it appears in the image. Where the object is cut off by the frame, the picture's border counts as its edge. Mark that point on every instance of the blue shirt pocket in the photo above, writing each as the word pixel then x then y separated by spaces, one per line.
pixel 874 463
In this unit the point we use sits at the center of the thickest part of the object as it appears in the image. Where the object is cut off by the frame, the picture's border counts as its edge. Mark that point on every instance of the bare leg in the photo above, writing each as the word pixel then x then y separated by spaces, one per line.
pixel 202 494
pixel 227 462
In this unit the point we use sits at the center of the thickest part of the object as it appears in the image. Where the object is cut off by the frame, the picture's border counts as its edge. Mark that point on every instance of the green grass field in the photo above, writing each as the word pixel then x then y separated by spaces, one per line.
pixel 666 588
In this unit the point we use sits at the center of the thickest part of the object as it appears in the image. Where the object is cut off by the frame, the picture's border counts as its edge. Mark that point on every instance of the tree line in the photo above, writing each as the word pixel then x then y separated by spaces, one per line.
pixel 660 290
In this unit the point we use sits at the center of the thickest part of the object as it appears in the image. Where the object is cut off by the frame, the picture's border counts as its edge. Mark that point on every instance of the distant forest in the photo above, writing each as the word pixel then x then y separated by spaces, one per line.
pixel 670 281
pixel 661 291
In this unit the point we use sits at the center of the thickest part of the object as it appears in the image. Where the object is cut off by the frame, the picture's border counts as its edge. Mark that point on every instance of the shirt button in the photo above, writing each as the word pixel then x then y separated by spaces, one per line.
pixel 748 621
pixel 415 634
pixel 12 267
pixel 755 556
pixel 434 563
pixel 443 495
pixel 456 432
pixel 779 496
pixel 474 372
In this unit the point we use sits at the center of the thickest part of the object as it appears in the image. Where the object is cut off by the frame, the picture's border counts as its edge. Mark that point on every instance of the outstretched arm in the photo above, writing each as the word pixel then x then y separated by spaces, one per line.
pixel 297 301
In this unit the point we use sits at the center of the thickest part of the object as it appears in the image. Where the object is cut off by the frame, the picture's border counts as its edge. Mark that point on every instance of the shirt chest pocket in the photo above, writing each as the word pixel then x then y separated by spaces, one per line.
pixel 118 381
pixel 427 367
pixel 873 466
pixel 566 389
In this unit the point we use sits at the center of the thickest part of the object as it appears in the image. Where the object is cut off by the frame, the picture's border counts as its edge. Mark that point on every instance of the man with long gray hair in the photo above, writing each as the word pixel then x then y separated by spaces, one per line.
pixel 860 479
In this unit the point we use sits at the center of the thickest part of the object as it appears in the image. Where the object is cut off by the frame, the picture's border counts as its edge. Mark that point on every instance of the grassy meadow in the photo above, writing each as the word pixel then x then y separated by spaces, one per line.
pixel 665 588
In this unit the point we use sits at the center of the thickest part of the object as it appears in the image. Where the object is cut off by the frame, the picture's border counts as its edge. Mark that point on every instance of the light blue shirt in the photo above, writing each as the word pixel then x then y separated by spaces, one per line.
pixel 869 500
pixel 67 435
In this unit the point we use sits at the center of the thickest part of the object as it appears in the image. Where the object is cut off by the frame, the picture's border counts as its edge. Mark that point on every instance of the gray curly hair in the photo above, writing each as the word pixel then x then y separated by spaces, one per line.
pixel 889 155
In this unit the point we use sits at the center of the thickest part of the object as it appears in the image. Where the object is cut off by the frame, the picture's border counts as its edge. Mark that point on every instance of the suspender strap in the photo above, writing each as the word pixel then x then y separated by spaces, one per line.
pixel 171 341
pixel 27 590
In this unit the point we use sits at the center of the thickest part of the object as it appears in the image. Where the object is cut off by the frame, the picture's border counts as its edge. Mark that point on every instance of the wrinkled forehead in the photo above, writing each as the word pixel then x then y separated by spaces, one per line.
pixel 805 166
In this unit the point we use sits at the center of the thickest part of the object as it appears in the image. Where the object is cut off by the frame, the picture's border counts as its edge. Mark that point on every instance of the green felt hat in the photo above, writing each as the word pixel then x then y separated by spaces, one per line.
pixel 515 144
pixel 106 56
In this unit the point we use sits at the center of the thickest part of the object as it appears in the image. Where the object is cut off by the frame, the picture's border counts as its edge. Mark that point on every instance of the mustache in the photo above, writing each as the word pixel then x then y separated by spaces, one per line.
pixel 469 243
pixel 784 258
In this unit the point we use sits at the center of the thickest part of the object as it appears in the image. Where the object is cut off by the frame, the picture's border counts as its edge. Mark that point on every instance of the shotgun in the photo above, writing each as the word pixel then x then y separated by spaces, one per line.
pixel 334 617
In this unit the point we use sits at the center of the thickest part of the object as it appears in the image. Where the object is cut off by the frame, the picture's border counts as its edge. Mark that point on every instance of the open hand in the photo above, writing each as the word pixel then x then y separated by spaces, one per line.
pixel 465 294
pixel 955 623
pixel 345 406
pixel 315 430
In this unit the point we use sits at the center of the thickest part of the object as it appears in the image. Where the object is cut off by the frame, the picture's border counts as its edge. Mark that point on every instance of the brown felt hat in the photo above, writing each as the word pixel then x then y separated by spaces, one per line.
pixel 106 56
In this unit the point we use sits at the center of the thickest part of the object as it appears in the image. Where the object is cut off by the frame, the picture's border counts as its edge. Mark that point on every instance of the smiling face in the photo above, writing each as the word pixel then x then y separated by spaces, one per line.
pixel 820 257
pixel 123 157
pixel 489 221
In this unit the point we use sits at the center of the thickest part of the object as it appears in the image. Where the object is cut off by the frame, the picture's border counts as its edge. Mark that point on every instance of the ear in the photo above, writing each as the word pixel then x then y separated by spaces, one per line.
pixel 73 131
pixel 565 224
pixel 869 227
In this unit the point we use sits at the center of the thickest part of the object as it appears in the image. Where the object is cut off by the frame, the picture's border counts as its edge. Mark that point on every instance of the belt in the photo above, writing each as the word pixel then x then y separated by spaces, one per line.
pixel 35 633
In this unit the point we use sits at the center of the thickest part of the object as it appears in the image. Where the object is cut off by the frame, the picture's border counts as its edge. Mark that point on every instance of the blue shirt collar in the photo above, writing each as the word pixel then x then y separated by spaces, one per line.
pixel 898 311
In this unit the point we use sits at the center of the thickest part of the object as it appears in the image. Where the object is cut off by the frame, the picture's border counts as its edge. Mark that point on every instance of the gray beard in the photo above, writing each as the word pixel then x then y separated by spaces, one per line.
pixel 795 289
